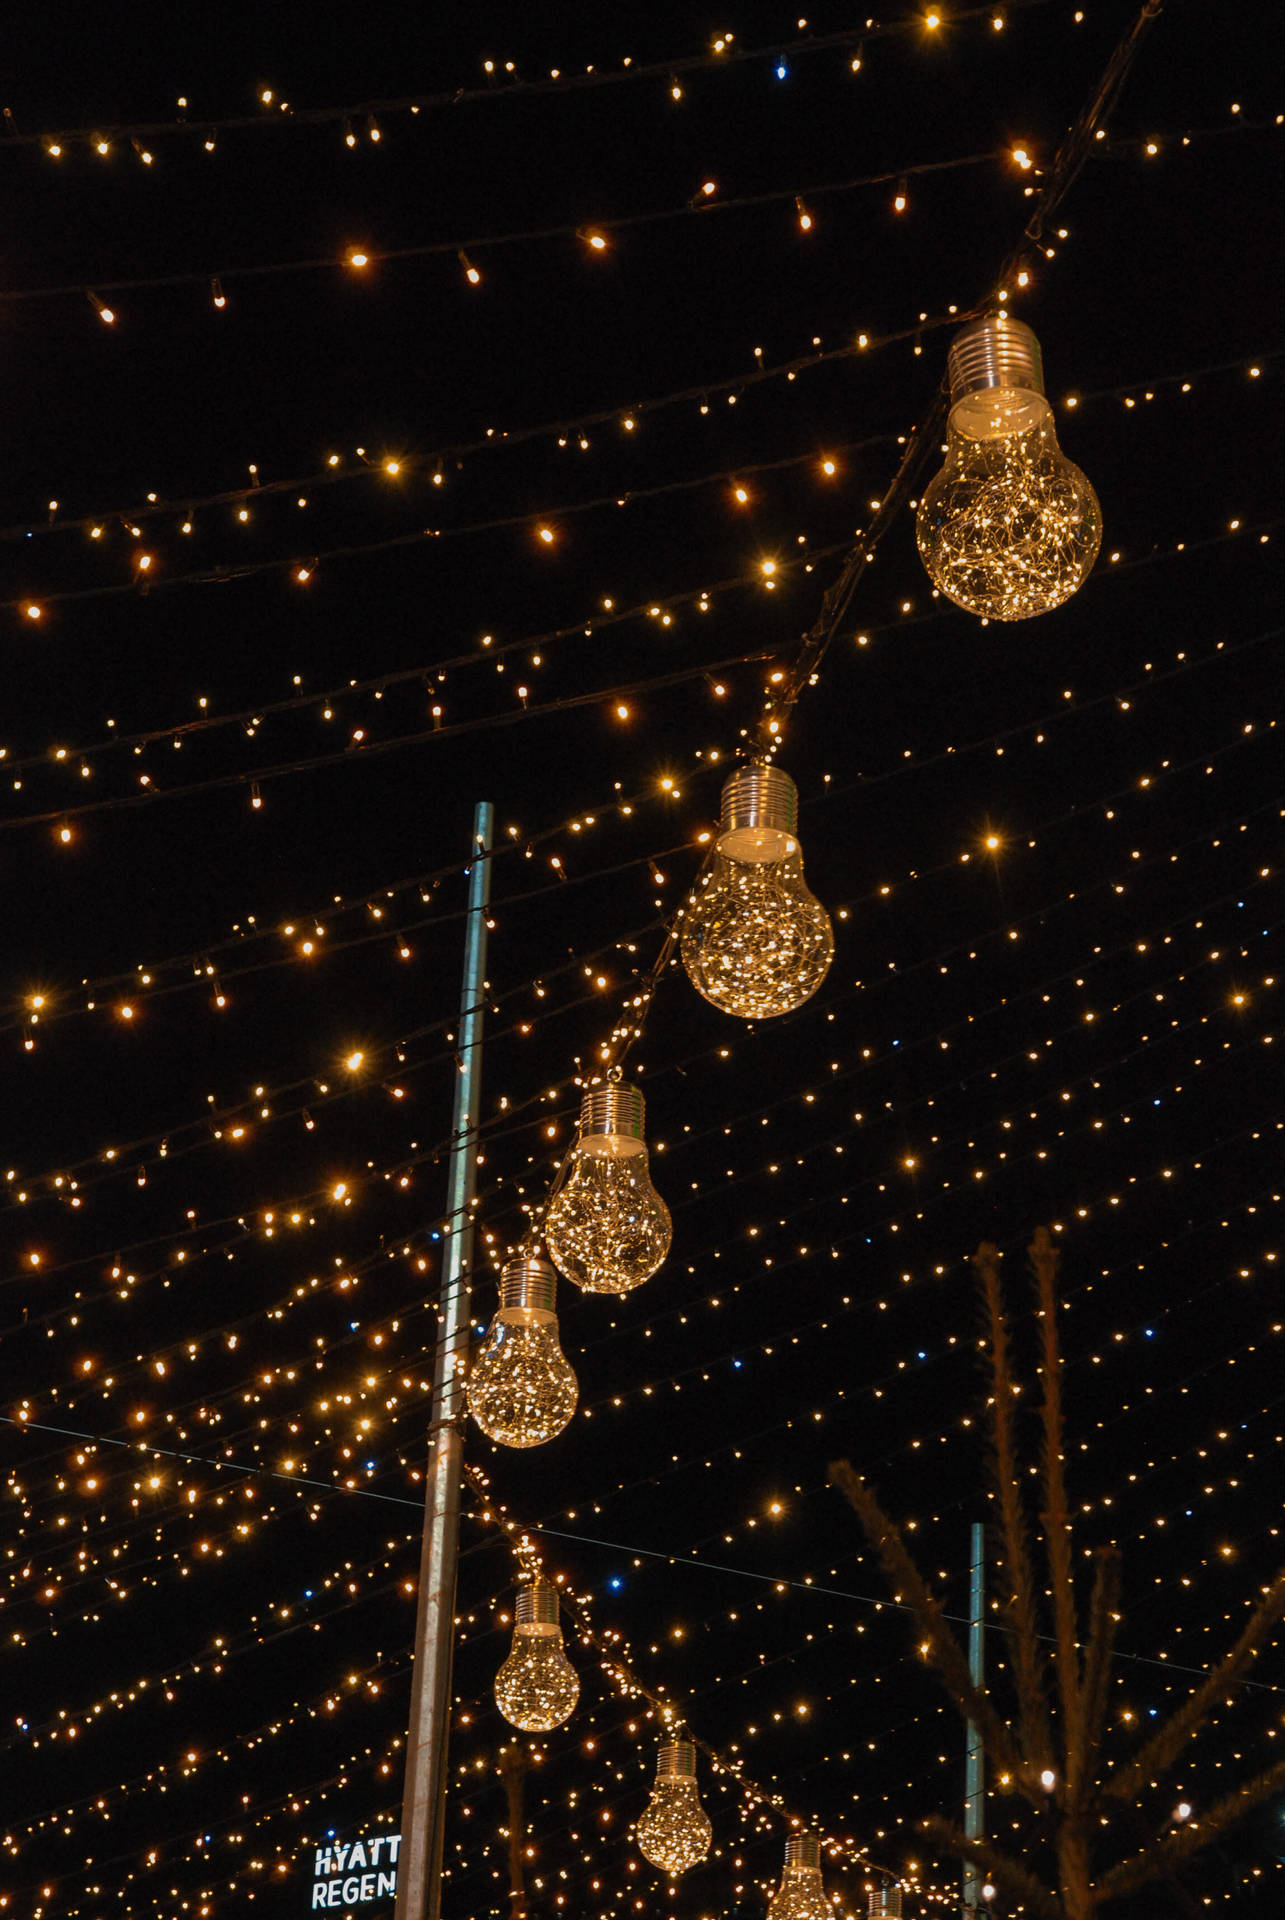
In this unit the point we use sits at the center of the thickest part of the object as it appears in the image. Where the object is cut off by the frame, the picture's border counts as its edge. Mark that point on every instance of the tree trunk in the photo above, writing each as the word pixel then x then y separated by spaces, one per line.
pixel 512 1764
pixel 1074 1870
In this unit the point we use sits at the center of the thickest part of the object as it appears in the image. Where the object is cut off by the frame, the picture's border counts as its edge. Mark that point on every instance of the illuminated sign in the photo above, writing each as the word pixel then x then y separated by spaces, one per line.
pixel 355 1873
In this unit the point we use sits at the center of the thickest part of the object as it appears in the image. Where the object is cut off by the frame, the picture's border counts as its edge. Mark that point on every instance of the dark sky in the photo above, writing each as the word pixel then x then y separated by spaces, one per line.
pixel 223 1246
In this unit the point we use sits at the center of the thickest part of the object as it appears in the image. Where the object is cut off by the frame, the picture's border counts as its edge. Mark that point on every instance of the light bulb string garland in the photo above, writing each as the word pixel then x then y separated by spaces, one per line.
pixel 619 1669
pixel 1070 158
pixel 1201 907
pixel 723 971
pixel 864 781
pixel 802 1586
pixel 200 964
pixel 176 1353
pixel 598 233
pixel 152 793
pixel 727 54
pixel 211 1127
pixel 507 439
pixel 231 1115
pixel 376 749
pixel 662 963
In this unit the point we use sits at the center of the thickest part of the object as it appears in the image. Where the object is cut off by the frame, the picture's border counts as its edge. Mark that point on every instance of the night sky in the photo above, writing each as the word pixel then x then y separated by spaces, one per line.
pixel 304 558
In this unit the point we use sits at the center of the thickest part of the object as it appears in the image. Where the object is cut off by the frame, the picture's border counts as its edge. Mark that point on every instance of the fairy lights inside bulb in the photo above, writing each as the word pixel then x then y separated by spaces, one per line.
pixel 537 1687
pixel 755 941
pixel 521 1389
pixel 801 1894
pixel 607 1228
pixel 674 1831
pixel 1010 527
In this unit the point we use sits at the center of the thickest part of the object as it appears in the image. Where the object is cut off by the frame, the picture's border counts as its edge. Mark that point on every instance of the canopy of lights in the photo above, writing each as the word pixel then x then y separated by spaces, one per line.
pixel 819 479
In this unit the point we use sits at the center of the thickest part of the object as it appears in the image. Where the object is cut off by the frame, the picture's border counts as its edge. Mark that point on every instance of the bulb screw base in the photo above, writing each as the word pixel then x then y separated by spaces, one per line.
pixel 885 1901
pixel 537 1605
pixel 803 1850
pixel 612 1109
pixel 995 352
pixel 676 1760
pixel 760 797
pixel 529 1282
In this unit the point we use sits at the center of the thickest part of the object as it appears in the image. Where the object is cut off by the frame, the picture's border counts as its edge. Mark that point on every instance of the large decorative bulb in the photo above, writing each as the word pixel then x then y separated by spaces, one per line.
pixel 607 1227
pixel 754 940
pixel 521 1390
pixel 801 1895
pixel 537 1687
pixel 1010 527
pixel 674 1830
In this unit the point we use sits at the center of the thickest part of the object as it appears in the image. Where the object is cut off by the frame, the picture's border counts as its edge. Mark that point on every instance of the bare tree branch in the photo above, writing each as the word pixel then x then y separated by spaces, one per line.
pixel 1197 1711
pixel 1007 1873
pixel 1164 1855
pixel 944 1651
pixel 1055 1517
pixel 1028 1664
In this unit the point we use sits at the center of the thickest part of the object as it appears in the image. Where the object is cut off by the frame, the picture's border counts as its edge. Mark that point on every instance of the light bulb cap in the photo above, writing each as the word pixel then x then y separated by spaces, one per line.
pixel 803 1850
pixel 760 816
pixel 612 1108
pixel 529 1282
pixel 537 1605
pixel 885 1901
pixel 676 1760
pixel 760 796
pixel 997 351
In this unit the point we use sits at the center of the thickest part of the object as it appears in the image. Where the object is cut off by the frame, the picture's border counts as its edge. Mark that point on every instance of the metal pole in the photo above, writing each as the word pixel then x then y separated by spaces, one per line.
pixel 975 1777
pixel 419 1865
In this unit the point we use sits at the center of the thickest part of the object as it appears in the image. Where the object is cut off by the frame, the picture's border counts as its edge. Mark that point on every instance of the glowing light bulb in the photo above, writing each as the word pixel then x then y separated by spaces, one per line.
pixel 755 942
pixel 607 1228
pixel 1010 527
pixel 537 1687
pixel 674 1831
pixel 885 1900
pixel 801 1895
pixel 521 1390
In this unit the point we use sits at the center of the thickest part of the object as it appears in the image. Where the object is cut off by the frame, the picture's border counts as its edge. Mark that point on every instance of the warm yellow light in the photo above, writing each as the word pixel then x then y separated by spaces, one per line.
pixel 358 259
pixel 828 467
pixel 1022 158
pixel 900 198
pixel 768 566
pixel 992 840
pixel 546 534
pixel 353 1061
pixel 932 21
pixel 34 612
pixel 392 466
pixel 741 495
pixel 471 273
pixel 597 241
pixel 126 1012
pixel 708 187
pixel 339 1189
pixel 622 712
pixel 303 573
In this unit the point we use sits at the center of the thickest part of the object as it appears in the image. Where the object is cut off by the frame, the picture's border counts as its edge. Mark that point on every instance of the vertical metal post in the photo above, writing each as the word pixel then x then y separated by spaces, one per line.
pixel 419 1865
pixel 975 1776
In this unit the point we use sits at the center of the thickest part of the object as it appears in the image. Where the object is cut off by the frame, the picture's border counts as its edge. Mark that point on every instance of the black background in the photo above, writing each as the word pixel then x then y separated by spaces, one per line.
pixel 955 1022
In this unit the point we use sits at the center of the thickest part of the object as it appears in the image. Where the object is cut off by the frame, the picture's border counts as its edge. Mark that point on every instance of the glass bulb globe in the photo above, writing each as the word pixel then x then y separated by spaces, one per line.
pixel 607 1228
pixel 755 942
pixel 537 1687
pixel 801 1895
pixel 520 1388
pixel 674 1831
pixel 1010 527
